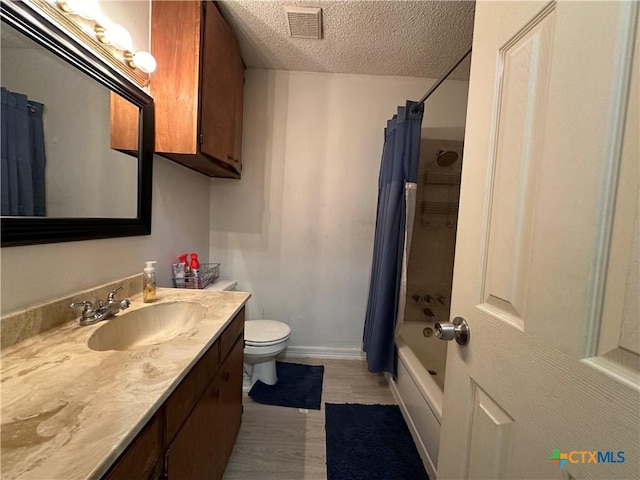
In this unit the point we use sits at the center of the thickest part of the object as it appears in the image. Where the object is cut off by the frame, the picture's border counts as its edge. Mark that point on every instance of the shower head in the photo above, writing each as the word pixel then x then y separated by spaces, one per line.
pixel 446 158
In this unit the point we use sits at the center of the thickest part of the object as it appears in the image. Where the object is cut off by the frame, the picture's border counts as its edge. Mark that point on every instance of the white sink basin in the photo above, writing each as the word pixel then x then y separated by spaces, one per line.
pixel 149 325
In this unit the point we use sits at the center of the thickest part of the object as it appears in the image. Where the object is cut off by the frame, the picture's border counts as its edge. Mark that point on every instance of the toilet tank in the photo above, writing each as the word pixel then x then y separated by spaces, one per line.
pixel 219 285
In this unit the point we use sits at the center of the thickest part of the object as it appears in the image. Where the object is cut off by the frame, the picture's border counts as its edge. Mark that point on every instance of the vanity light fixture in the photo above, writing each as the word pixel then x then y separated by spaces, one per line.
pixel 108 33
pixel 142 60
pixel 115 35
pixel 87 9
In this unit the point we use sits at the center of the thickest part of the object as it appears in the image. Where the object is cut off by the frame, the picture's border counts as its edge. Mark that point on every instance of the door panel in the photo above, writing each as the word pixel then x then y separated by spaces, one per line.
pixel 618 346
pixel 586 94
pixel 544 269
pixel 218 90
pixel 516 162
pixel 491 437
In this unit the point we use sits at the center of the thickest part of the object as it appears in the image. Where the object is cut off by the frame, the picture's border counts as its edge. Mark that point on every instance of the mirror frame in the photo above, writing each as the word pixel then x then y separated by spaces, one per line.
pixel 42 29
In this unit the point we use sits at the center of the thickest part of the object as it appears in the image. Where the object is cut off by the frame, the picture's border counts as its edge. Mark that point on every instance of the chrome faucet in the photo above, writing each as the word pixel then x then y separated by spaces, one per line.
pixel 429 314
pixel 108 309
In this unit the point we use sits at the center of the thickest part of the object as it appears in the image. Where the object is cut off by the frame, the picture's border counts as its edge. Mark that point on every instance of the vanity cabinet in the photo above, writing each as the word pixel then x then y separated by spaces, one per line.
pixel 202 447
pixel 192 434
pixel 143 457
pixel 198 89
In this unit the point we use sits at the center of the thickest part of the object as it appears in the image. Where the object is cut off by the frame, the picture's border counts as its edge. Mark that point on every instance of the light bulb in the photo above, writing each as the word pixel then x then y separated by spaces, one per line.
pixel 144 61
pixel 89 9
pixel 118 36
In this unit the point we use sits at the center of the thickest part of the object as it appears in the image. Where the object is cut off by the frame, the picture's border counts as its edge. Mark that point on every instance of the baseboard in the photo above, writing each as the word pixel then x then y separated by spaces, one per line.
pixel 324 352
pixel 422 450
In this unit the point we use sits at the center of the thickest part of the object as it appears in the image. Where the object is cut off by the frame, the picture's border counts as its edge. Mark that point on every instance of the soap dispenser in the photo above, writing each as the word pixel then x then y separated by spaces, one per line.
pixel 149 283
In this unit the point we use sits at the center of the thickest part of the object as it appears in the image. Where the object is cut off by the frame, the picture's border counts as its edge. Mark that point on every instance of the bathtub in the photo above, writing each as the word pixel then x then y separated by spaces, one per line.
pixel 418 392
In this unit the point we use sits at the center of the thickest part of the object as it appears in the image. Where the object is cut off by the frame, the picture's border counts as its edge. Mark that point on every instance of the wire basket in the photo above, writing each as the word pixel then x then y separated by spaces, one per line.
pixel 209 273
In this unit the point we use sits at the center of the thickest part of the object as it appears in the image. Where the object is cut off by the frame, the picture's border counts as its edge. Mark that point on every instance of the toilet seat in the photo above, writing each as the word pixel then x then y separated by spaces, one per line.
pixel 264 340
pixel 263 333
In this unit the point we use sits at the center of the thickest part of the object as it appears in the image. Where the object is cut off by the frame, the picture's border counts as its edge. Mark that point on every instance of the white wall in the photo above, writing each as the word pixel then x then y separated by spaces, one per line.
pixel 180 223
pixel 297 230
pixel 34 274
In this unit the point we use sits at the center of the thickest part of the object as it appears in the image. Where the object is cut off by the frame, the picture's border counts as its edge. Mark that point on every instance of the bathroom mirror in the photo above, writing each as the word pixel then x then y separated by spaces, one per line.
pixel 75 186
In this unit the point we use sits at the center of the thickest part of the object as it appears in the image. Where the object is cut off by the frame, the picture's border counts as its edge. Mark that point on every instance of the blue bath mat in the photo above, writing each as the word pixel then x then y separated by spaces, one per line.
pixel 299 386
pixel 370 442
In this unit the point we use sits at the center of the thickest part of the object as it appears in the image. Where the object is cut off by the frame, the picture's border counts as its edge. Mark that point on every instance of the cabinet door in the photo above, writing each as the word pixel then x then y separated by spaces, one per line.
pixel 186 395
pixel 202 447
pixel 124 125
pixel 238 83
pixel 175 36
pixel 229 414
pixel 219 90
pixel 141 459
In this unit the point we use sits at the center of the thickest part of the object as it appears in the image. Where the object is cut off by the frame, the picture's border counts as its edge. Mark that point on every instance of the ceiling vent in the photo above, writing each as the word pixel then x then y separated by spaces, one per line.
pixel 304 22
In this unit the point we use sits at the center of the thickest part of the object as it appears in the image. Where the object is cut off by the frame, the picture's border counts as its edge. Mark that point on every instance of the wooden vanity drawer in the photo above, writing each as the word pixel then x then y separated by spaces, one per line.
pixel 234 330
pixel 182 400
pixel 141 459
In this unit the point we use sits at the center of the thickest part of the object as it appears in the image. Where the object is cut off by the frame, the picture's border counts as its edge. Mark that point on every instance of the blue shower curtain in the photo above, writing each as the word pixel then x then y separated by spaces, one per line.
pixel 400 159
pixel 22 156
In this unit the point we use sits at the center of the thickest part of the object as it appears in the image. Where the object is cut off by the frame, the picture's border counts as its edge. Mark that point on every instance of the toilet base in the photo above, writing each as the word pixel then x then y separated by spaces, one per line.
pixel 263 371
pixel 246 379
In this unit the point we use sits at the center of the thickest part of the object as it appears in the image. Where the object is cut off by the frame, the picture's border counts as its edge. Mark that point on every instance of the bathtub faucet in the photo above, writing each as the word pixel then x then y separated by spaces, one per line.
pixel 429 314
pixel 427 298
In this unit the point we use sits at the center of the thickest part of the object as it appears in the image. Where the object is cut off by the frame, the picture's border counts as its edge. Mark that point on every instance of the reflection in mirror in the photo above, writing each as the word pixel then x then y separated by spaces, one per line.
pixel 85 121
pixel 56 155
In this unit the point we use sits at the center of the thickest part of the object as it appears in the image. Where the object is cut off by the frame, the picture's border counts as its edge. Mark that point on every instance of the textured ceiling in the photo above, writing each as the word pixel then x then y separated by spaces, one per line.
pixel 402 38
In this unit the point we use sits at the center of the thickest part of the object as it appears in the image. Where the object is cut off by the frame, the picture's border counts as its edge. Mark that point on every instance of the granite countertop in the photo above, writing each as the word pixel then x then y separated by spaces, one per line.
pixel 68 411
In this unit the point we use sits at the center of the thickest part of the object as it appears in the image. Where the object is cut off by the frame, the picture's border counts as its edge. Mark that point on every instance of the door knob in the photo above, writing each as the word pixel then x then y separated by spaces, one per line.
pixel 458 330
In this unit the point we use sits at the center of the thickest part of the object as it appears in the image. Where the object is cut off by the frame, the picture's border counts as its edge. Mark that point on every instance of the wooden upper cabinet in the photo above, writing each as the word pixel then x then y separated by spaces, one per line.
pixel 124 125
pixel 175 43
pixel 218 103
pixel 198 87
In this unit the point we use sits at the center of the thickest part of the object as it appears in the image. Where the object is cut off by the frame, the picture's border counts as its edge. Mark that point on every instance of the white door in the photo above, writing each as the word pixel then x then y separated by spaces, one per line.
pixel 546 269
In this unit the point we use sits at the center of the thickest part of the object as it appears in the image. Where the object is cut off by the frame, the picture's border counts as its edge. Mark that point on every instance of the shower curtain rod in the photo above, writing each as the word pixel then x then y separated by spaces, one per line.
pixel 441 79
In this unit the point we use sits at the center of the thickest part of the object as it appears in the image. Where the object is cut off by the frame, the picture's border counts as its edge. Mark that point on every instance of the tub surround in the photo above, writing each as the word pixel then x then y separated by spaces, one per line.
pixel 69 411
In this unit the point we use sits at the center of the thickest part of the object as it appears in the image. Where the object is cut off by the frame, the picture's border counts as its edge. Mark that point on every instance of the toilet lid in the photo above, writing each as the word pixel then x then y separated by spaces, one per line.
pixel 265 331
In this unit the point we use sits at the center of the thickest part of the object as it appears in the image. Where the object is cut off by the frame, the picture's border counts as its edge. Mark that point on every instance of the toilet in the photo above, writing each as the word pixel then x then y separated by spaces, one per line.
pixel 263 341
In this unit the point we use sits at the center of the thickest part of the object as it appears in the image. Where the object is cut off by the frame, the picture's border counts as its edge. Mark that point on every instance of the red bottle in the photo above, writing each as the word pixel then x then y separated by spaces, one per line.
pixel 183 259
pixel 195 270
pixel 195 264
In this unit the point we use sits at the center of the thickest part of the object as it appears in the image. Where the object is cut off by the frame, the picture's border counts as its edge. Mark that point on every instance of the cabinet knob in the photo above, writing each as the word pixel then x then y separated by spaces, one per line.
pixel 216 393
pixel 225 376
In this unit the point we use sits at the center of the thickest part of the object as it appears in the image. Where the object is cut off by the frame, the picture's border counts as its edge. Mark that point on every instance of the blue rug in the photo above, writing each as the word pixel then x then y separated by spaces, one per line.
pixel 370 442
pixel 299 386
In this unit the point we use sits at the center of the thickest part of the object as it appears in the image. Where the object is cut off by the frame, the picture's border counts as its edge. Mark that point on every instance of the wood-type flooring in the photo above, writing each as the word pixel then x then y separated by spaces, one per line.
pixel 283 443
